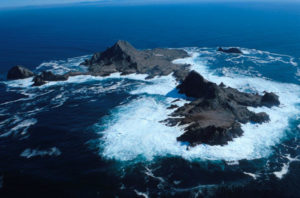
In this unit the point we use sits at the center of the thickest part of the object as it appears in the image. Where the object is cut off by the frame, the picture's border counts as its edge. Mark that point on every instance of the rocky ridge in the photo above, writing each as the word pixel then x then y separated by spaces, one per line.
pixel 124 58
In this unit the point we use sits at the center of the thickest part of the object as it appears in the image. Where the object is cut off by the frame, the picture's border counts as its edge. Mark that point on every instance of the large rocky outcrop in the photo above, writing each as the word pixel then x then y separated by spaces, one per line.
pixel 19 72
pixel 124 58
pixel 215 115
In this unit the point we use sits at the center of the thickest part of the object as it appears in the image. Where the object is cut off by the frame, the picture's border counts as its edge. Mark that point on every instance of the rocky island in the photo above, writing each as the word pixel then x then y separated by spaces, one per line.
pixel 215 112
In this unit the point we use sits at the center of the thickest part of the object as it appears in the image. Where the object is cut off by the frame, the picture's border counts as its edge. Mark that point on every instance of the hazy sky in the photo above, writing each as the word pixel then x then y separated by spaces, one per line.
pixel 9 3
pixel 16 3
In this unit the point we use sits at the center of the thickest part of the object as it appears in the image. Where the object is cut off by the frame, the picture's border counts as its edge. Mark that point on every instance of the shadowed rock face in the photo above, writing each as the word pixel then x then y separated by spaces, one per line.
pixel 232 50
pixel 215 115
pixel 124 58
pixel 19 72
pixel 270 99
pixel 194 85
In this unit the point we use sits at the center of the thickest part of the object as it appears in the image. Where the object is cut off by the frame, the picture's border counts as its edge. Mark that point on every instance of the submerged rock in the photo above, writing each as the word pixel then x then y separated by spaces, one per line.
pixel 19 72
pixel 232 50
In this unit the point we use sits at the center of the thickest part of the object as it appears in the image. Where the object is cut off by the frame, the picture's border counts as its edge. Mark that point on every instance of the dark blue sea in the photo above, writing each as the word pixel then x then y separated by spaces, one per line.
pixel 102 136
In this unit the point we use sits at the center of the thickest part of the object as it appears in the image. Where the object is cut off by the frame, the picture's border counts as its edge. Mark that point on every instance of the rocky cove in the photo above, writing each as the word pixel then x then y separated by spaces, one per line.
pixel 214 113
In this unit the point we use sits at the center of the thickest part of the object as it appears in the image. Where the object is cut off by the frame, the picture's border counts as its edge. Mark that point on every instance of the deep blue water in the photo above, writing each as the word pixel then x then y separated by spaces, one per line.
pixel 31 36
pixel 101 137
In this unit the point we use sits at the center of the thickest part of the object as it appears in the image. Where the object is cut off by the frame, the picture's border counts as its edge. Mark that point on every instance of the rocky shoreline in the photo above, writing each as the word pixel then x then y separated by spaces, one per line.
pixel 213 116
pixel 216 114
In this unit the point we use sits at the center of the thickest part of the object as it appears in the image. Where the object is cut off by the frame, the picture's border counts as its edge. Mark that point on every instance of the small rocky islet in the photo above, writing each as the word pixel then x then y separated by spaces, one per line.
pixel 215 112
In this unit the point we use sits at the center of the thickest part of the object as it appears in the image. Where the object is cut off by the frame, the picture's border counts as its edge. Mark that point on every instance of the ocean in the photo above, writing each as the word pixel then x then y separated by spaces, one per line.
pixel 102 136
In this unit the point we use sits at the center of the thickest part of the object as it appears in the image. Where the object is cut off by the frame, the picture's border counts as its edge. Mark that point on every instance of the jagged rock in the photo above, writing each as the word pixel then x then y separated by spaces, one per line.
pixel 176 100
pixel 172 106
pixel 232 50
pixel 215 115
pixel 222 85
pixel 19 72
pixel 124 58
pixel 270 99
pixel 38 81
pixel 194 85
pixel 48 76
pixel 211 134
pixel 260 117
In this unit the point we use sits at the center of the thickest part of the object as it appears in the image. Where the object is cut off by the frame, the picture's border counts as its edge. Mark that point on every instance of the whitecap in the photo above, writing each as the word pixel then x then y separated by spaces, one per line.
pixel 142 194
pixel 64 66
pixel 21 83
pixel 29 153
pixel 20 128
pixel 285 168
pixel 158 85
pixel 254 176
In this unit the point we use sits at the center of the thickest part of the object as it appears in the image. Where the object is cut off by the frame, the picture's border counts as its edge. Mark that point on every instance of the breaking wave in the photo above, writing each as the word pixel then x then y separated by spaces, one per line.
pixel 30 153
pixel 134 131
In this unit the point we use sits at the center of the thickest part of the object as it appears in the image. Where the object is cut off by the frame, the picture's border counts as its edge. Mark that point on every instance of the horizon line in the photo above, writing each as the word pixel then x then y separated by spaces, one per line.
pixel 136 2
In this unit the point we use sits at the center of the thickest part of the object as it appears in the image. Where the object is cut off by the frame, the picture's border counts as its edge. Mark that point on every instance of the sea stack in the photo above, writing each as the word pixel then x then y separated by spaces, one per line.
pixel 19 72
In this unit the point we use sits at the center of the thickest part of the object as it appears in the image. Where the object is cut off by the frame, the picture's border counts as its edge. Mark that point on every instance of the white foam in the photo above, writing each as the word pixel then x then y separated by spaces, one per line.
pixel 159 85
pixel 64 66
pixel 22 83
pixel 246 51
pixel 27 83
pixel 21 127
pixel 59 99
pixel 136 130
pixel 88 78
pixel 29 153
pixel 285 168
pixel 149 173
pixel 232 163
pixel 254 176
pixel 141 194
